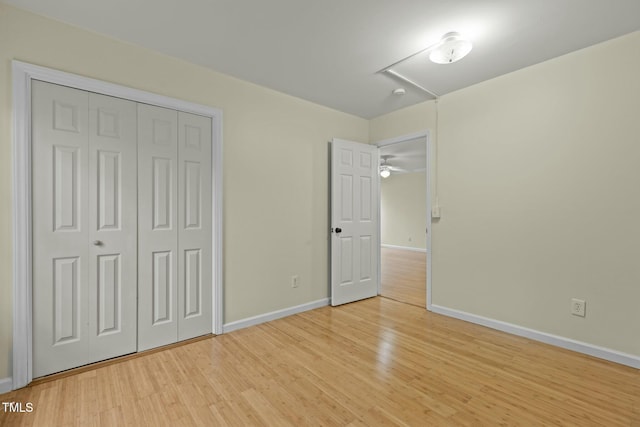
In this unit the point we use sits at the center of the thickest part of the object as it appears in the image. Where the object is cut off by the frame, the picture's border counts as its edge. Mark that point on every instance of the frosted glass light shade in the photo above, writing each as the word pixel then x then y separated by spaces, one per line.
pixel 452 48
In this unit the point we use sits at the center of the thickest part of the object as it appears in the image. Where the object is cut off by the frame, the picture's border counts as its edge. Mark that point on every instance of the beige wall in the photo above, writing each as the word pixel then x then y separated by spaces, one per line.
pixel 539 174
pixel 538 177
pixel 275 163
pixel 403 210
pixel 409 120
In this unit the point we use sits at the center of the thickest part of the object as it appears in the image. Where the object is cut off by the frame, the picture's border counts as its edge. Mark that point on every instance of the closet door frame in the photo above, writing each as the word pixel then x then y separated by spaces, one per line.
pixel 23 74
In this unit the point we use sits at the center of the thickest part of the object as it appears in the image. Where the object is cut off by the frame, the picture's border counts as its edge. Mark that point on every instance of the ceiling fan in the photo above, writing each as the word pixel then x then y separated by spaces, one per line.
pixel 386 168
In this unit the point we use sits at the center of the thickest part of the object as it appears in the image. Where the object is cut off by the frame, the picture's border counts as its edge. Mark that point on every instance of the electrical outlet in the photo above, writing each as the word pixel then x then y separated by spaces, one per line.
pixel 578 307
pixel 295 281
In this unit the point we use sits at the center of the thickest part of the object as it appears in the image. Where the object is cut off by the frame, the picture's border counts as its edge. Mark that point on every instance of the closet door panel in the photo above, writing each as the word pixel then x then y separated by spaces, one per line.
pixel 60 228
pixel 157 226
pixel 113 223
pixel 194 219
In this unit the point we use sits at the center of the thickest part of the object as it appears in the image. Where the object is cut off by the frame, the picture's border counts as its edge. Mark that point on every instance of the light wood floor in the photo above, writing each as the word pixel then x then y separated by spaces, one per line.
pixel 404 276
pixel 374 362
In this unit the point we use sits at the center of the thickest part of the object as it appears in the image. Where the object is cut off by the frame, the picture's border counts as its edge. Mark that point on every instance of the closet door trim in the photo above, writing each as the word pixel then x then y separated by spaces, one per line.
pixel 23 73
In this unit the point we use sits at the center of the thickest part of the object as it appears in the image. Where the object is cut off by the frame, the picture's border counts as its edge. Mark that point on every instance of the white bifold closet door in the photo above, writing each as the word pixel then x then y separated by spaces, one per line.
pixel 84 227
pixel 121 227
pixel 174 257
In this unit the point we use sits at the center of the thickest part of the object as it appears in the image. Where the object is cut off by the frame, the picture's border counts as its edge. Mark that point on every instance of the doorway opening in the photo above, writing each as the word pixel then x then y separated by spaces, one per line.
pixel 405 219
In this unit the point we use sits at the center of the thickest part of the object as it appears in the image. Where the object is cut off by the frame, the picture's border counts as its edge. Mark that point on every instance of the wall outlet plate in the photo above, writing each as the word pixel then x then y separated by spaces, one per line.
pixel 578 307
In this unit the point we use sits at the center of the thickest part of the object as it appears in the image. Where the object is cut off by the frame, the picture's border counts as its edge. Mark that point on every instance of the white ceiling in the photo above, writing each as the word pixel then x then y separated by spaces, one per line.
pixel 329 51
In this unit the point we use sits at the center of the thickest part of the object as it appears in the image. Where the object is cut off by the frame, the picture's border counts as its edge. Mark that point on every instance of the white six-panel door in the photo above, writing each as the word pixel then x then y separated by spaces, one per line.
pixel 194 222
pixel 354 221
pixel 157 226
pixel 174 152
pixel 84 223
pixel 60 134
pixel 121 227
pixel 113 225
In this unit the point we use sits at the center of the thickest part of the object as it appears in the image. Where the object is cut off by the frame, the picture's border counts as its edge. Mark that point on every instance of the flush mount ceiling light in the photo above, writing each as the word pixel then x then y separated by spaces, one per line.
pixel 451 48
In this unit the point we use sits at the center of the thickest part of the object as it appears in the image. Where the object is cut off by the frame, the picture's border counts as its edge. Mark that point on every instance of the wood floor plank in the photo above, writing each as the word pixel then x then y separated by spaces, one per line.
pixel 374 362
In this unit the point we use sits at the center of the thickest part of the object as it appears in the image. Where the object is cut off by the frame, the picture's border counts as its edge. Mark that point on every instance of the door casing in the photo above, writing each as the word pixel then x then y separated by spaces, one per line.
pixel 23 74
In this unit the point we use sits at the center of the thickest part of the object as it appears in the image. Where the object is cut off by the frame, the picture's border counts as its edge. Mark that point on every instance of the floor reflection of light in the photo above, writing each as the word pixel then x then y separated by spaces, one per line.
pixel 386 349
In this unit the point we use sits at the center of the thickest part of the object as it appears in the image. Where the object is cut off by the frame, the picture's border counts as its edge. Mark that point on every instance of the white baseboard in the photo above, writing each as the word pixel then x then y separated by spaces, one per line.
pixel 405 248
pixel 267 317
pixel 6 384
pixel 569 344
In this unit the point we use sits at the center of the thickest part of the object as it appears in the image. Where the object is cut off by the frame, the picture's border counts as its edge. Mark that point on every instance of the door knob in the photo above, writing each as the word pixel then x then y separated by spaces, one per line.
pixel 338 230
pixel 97 243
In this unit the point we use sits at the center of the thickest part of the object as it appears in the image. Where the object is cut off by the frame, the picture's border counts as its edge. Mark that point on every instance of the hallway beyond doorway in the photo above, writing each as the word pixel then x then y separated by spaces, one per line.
pixel 404 276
